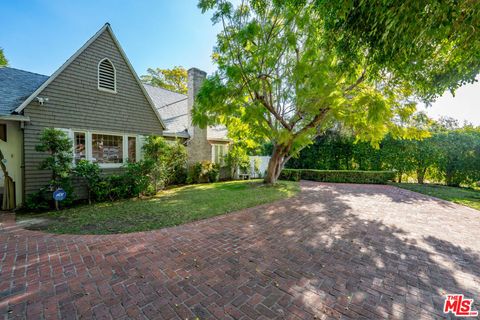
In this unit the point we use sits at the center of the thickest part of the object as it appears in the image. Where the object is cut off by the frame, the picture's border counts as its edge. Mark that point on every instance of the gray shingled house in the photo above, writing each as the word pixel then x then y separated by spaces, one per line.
pixel 98 100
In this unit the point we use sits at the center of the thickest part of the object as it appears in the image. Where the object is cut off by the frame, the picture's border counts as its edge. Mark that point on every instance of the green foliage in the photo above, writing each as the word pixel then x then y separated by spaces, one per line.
pixel 174 79
pixel 90 172
pixel 450 154
pixel 459 161
pixel 289 70
pixel 38 201
pixel 430 46
pixel 237 159
pixel 204 171
pixel 3 60
pixel 339 176
pixel 59 160
pixel 58 147
pixel 168 161
pixel 132 182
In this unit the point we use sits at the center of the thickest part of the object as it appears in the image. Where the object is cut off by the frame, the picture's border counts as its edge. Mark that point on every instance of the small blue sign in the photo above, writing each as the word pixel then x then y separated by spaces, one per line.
pixel 59 195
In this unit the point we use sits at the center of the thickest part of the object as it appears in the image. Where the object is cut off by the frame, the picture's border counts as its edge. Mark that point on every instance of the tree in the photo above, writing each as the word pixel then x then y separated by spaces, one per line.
pixel 59 160
pixel 3 60
pixel 283 68
pixel 459 160
pixel 174 79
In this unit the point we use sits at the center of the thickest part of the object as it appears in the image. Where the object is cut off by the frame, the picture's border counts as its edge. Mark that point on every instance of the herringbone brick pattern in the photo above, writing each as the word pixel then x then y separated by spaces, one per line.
pixel 336 251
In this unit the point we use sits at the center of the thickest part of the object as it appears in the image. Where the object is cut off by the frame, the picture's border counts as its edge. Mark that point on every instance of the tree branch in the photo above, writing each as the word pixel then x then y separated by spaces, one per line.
pixel 359 80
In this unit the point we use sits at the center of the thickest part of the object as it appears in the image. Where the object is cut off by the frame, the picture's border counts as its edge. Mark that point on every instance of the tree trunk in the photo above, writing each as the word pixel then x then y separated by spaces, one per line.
pixel 275 165
pixel 400 174
pixel 421 175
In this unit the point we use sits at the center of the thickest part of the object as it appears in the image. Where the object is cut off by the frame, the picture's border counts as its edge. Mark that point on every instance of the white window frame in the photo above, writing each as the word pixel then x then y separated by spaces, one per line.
pixel 225 151
pixel 73 143
pixel 88 147
pixel 114 77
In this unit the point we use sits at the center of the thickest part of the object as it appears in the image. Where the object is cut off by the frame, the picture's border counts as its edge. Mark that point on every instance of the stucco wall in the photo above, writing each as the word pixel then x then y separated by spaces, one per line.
pixel 12 151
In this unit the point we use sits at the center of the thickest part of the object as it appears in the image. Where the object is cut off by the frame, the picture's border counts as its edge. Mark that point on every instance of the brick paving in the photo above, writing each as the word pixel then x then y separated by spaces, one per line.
pixel 334 251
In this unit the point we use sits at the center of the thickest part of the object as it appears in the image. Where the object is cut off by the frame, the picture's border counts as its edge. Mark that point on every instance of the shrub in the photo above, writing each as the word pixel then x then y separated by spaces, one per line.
pixel 133 182
pixel 91 173
pixel 38 201
pixel 205 171
pixel 135 178
pixel 58 147
pixel 168 161
pixel 346 176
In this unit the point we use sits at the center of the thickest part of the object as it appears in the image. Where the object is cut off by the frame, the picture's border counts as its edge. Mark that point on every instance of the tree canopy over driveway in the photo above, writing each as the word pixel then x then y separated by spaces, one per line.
pixel 290 69
pixel 336 250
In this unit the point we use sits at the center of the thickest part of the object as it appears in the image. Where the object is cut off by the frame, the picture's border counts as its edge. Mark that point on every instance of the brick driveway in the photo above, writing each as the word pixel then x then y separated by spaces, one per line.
pixel 334 251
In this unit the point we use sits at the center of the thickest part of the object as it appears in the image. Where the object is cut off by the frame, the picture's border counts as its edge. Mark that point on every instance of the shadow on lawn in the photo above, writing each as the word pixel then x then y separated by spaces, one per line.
pixel 321 258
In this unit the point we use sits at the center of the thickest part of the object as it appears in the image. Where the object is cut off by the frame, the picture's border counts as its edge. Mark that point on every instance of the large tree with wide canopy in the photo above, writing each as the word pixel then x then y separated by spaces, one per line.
pixel 290 69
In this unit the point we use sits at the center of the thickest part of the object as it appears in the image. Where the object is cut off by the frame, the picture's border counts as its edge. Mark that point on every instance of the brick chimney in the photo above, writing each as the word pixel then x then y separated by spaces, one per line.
pixel 198 147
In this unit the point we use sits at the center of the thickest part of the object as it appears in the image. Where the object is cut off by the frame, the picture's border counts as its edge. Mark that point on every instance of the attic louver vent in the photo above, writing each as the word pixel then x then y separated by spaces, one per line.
pixel 106 76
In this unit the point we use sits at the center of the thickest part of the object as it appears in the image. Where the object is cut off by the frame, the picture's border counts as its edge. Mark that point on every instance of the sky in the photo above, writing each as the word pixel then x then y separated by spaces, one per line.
pixel 39 35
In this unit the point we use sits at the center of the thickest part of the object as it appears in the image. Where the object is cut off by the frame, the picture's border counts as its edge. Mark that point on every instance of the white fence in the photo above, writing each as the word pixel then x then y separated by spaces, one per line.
pixel 262 166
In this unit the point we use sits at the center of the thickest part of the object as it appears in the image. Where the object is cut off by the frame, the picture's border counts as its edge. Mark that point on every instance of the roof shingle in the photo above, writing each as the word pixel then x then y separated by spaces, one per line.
pixel 16 86
pixel 173 108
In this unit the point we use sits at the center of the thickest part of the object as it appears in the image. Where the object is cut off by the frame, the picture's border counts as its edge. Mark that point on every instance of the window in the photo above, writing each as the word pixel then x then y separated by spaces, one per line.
pixel 107 148
pixel 218 153
pixel 132 149
pixel 106 76
pixel 79 146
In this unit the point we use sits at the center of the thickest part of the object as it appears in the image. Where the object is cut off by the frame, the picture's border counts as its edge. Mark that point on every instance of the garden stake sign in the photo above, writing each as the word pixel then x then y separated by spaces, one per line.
pixel 59 195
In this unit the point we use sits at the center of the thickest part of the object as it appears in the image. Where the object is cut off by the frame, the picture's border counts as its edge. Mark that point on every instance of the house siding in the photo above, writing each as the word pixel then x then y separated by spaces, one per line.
pixel 76 103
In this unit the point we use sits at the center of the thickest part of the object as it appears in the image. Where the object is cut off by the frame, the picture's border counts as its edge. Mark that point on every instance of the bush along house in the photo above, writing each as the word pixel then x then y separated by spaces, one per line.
pixel 98 100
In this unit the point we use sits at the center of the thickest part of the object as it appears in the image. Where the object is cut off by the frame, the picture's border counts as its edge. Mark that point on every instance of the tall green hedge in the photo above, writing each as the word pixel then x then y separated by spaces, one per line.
pixel 347 176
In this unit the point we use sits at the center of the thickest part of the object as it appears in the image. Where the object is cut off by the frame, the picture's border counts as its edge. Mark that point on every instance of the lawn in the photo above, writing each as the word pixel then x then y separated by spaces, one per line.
pixel 168 208
pixel 465 196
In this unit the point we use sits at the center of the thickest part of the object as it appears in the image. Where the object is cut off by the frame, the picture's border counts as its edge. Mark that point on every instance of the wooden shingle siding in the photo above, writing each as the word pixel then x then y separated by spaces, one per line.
pixel 74 101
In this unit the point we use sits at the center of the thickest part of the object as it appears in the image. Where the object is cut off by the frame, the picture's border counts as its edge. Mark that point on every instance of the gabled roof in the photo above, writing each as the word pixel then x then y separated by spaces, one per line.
pixel 173 108
pixel 106 27
pixel 16 86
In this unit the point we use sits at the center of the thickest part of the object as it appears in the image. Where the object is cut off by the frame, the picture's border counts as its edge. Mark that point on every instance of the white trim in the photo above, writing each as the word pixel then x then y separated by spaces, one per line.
pixel 75 55
pixel 15 117
pixel 60 70
pixel 114 77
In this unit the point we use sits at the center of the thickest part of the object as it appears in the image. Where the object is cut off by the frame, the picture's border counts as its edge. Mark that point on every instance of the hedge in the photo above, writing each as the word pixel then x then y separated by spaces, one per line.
pixel 346 176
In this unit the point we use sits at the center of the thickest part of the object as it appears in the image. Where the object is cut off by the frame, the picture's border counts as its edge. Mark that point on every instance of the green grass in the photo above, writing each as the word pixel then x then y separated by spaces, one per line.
pixel 465 196
pixel 168 208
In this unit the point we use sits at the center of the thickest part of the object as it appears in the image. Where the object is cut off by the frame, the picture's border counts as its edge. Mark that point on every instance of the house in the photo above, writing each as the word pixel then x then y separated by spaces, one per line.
pixel 98 100
pixel 175 109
